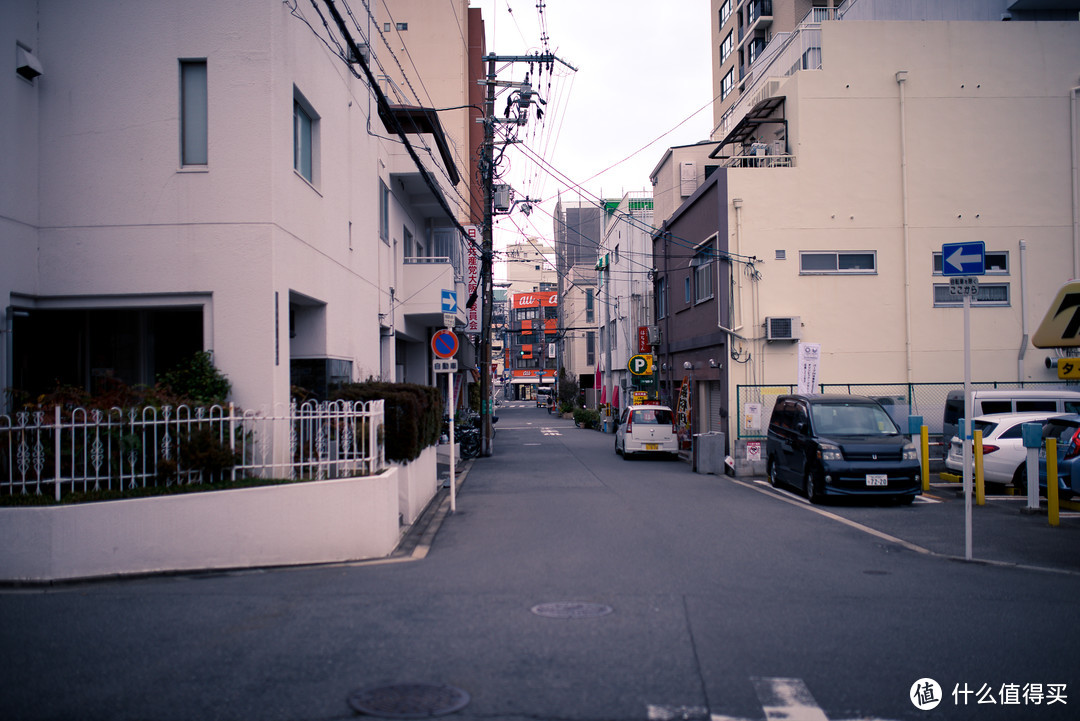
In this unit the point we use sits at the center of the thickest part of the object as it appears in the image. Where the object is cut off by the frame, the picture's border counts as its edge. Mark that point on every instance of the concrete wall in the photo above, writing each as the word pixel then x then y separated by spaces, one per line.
pixel 316 522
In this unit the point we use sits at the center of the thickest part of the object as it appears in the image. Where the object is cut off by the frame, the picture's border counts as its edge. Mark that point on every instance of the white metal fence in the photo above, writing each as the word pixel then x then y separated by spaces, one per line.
pixel 118 449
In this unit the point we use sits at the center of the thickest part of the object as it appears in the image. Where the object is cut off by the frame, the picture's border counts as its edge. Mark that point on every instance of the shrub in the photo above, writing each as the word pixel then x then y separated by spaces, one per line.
pixel 197 380
pixel 586 418
pixel 413 414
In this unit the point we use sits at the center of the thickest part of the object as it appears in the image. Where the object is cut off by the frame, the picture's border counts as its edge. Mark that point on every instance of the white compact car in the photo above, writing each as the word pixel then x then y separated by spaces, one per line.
pixel 646 429
pixel 1004 455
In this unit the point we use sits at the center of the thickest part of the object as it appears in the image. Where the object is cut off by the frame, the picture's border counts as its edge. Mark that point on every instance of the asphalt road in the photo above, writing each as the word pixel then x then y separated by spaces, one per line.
pixel 689 597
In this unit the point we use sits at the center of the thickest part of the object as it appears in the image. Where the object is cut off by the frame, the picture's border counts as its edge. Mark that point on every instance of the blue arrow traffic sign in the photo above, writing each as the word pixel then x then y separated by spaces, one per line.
pixel 963 258
pixel 449 301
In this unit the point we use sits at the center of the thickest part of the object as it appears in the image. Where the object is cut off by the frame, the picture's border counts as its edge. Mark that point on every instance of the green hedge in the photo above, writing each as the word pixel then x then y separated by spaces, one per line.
pixel 413 414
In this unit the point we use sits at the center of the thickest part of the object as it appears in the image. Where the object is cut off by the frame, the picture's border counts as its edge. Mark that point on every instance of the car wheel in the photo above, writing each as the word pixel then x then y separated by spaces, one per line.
pixel 617 451
pixel 812 486
pixel 774 478
pixel 1019 479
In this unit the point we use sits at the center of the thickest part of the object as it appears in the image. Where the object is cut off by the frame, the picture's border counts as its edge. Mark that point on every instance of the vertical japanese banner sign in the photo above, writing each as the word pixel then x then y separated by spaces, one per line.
pixel 682 414
pixel 473 264
pixel 809 362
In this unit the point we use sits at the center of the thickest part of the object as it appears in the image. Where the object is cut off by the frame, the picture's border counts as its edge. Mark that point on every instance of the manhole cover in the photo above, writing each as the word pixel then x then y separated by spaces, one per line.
pixel 571 609
pixel 409 700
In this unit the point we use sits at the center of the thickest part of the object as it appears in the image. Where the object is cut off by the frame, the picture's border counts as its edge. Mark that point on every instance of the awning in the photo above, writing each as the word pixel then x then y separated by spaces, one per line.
pixel 759 115
pixel 532 381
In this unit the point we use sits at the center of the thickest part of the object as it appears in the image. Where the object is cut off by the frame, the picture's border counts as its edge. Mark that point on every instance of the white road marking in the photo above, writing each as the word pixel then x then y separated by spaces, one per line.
pixel 788 699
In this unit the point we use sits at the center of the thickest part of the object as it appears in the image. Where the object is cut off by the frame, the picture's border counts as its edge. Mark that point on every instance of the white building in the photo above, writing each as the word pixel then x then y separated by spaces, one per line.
pixel 204 175
pixel 857 150
pixel 625 290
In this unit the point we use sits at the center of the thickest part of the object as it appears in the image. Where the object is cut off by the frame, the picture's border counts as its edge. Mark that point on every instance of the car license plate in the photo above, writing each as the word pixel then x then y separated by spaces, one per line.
pixel 877 479
pixel 651 446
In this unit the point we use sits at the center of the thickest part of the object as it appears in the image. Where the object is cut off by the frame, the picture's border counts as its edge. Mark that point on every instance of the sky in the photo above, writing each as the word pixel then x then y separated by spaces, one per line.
pixel 643 84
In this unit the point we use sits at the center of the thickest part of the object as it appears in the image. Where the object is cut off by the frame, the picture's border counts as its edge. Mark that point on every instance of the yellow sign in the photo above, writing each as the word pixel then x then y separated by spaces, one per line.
pixel 1061 326
pixel 1069 368
pixel 640 365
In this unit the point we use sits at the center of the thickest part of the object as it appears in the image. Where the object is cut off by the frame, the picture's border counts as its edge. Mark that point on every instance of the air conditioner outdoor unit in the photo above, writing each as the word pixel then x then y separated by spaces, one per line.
pixel 783 327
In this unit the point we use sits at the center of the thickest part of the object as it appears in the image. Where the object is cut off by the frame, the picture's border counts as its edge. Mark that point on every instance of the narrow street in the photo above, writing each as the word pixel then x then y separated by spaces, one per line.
pixel 569 584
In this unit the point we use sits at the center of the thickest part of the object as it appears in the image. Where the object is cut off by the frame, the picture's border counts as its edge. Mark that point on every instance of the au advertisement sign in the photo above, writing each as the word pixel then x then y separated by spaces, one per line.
pixel 533 300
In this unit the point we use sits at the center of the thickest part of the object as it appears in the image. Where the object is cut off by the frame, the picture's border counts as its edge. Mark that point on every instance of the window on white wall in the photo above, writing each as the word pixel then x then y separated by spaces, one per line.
pixel 305 139
pixel 384 212
pixel 193 113
pixel 829 262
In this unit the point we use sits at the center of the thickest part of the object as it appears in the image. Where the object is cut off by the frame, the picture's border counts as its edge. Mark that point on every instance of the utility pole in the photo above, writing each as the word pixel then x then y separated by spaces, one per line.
pixel 487 247
pixel 526 97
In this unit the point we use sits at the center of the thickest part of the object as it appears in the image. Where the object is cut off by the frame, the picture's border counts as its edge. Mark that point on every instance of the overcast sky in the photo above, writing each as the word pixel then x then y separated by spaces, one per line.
pixel 643 84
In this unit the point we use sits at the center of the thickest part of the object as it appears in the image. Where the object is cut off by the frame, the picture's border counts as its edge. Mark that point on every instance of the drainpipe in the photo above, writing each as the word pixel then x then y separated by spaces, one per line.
pixel 901 78
pixel 737 298
pixel 1023 312
pixel 1074 97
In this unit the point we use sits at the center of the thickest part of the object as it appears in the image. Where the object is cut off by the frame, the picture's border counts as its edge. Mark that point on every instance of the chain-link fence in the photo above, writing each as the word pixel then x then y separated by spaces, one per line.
pixel 755 403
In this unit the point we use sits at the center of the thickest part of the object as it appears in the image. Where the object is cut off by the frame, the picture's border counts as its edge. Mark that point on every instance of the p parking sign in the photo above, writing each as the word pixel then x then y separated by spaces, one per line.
pixel 640 365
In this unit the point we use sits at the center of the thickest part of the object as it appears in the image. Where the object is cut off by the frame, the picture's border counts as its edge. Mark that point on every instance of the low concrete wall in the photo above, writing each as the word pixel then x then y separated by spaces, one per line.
pixel 314 522
pixel 416 484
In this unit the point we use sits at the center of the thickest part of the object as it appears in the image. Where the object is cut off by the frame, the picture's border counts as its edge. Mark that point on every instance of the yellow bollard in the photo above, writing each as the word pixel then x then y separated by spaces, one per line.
pixel 1052 510
pixel 980 483
pixel 924 454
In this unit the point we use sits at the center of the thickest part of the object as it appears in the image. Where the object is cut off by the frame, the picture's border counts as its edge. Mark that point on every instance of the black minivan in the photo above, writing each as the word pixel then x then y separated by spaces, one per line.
pixel 840 445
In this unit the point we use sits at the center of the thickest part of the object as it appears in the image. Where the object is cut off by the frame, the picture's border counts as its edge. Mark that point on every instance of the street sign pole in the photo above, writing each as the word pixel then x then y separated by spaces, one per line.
pixel 453 460
pixel 967 426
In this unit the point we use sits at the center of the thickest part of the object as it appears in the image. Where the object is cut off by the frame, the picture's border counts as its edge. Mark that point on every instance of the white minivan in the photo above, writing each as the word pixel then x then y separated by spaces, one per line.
pixel 986 402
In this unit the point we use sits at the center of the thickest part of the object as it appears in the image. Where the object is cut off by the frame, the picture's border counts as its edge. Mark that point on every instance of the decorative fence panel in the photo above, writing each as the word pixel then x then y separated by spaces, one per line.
pixel 122 449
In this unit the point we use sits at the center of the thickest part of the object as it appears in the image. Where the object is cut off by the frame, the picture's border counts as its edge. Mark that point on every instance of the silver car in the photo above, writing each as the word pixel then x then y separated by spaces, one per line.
pixel 646 429
pixel 1004 455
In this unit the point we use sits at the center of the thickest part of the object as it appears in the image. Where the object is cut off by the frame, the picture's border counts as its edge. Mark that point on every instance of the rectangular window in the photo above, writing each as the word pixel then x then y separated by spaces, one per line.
pixel 661 298
pixel 728 84
pixel 990 294
pixel 304 141
pixel 837 262
pixel 384 212
pixel 402 26
pixel 702 267
pixel 997 262
pixel 590 348
pixel 725 12
pixel 193 113
pixel 686 289
pixel 614 336
pixel 727 46
pixel 590 306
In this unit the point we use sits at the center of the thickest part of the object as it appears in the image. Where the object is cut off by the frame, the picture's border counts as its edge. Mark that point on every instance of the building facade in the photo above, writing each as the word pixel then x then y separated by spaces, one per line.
pixel 842 174
pixel 233 191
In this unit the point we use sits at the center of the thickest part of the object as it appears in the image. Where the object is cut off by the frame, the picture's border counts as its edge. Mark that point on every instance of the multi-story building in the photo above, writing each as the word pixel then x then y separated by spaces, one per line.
pixel 531 354
pixel 897 137
pixel 625 266
pixel 231 187
pixel 579 228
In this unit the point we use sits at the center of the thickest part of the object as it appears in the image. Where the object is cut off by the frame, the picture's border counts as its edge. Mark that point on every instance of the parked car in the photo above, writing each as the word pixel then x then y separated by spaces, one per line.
pixel 1004 455
pixel 840 445
pixel 646 429
pixel 987 402
pixel 1066 430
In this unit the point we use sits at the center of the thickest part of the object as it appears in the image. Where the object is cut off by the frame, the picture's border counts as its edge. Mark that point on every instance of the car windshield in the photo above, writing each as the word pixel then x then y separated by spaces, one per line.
pixel 851 419
pixel 653 416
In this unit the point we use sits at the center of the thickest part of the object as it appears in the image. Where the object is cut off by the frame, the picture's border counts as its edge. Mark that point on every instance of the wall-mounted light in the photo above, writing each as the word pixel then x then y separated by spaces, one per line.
pixel 687 365
pixel 713 363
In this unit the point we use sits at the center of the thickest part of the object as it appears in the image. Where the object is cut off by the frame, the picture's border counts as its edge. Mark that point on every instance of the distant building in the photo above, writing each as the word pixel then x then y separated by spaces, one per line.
pixel 531 353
